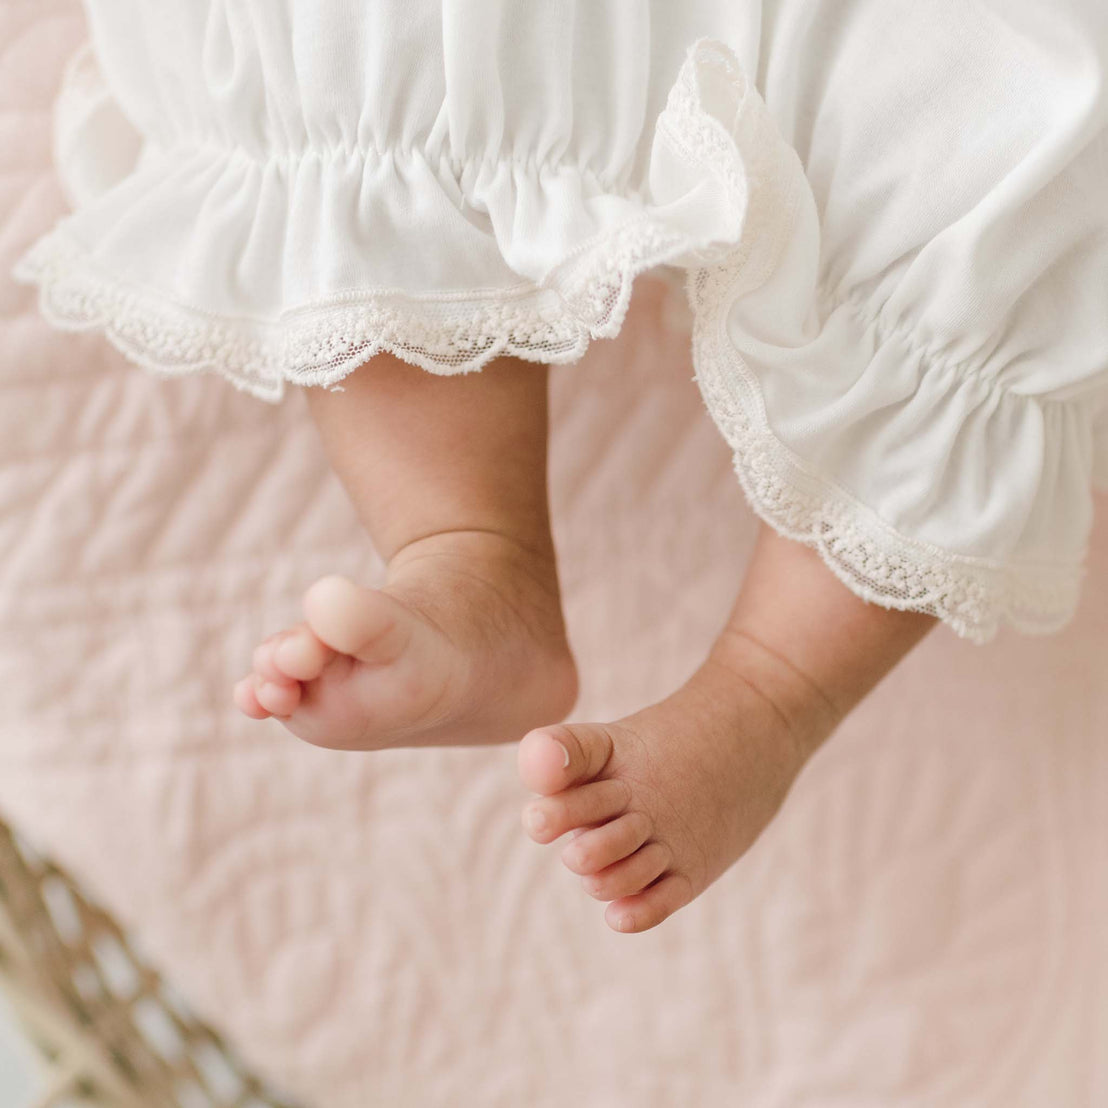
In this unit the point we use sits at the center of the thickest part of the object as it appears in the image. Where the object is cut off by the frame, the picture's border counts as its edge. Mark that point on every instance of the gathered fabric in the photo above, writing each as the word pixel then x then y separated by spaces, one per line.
pixel 893 220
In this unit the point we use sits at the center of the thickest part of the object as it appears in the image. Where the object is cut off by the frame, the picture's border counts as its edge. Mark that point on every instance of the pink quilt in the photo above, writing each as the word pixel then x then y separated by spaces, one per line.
pixel 926 923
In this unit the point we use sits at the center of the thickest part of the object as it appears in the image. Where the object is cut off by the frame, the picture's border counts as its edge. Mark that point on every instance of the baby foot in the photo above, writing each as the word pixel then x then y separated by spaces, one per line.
pixel 463 645
pixel 661 803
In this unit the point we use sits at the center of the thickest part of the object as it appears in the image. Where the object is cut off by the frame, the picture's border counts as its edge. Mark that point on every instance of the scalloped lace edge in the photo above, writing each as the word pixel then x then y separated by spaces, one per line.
pixel 973 596
pixel 875 561
pixel 585 298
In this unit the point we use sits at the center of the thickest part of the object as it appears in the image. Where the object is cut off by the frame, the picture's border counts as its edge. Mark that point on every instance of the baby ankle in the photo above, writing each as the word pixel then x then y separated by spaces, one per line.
pixel 805 709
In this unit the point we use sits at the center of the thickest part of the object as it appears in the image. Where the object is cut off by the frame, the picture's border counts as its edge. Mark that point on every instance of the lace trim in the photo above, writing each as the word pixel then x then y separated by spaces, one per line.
pixel 584 298
pixel 875 561
pixel 587 297
pixel 971 595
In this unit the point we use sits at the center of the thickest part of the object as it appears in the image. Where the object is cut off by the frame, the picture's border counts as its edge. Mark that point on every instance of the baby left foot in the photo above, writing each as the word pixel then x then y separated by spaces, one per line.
pixel 661 803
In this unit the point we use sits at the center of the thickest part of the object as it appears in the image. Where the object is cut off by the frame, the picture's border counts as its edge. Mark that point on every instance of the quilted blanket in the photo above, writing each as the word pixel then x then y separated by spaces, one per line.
pixel 925 924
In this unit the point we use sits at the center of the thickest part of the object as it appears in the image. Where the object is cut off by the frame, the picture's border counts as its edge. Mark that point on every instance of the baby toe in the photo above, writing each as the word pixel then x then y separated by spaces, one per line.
pixel 550 817
pixel 648 908
pixel 629 876
pixel 278 699
pixel 366 623
pixel 553 758
pixel 300 655
pixel 604 846
pixel 246 699
pixel 263 660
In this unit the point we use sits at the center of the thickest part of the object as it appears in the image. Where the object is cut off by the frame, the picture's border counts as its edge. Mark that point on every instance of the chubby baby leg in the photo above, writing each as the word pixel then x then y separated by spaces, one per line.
pixel 464 643
pixel 660 804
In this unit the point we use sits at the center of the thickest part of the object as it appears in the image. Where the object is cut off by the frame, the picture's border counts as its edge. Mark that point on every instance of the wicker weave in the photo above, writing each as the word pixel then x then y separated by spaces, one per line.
pixel 110 1031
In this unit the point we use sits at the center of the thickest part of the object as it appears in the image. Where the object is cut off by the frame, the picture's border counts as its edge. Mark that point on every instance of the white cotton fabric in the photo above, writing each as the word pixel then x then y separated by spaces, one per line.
pixel 894 218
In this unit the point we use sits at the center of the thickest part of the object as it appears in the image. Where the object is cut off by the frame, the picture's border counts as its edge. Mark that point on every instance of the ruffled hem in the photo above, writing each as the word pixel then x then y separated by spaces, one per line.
pixel 322 343
pixel 973 596
pixel 578 292
pixel 727 197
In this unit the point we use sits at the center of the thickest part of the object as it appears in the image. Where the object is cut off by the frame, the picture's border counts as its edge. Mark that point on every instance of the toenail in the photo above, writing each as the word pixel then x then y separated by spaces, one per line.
pixel 565 751
pixel 626 923
pixel 536 821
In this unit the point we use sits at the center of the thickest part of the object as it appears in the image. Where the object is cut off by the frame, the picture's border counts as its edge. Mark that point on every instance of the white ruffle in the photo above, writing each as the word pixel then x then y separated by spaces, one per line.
pixel 878 562
pixel 923 486
pixel 512 259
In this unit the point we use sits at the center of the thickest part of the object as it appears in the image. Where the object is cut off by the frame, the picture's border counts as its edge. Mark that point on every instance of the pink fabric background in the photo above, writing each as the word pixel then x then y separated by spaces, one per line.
pixel 924 924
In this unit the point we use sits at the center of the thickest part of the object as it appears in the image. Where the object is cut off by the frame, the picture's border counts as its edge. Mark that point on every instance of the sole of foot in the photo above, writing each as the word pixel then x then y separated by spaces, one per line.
pixel 463 645
pixel 660 804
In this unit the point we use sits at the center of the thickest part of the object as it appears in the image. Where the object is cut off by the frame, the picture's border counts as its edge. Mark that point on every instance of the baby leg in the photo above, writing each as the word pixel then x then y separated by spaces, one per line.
pixel 661 803
pixel 464 643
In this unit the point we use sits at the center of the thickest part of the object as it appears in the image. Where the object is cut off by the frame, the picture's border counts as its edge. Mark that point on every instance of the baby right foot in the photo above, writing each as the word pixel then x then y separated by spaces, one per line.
pixel 464 645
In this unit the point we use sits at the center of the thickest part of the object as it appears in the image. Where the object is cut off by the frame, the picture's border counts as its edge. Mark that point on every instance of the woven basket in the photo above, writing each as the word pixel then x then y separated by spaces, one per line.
pixel 109 1029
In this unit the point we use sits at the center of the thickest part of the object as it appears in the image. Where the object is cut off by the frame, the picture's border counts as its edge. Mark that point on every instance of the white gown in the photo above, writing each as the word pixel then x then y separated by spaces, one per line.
pixel 894 218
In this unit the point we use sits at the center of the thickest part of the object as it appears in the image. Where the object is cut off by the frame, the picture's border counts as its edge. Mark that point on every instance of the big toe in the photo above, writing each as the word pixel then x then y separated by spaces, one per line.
pixel 365 623
pixel 554 758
